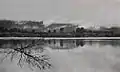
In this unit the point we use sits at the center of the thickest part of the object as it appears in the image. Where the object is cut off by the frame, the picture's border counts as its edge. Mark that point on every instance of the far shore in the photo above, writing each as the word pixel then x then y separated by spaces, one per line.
pixel 82 38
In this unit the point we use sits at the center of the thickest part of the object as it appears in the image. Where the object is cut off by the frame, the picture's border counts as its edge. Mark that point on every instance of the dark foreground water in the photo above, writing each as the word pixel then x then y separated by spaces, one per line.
pixel 39 55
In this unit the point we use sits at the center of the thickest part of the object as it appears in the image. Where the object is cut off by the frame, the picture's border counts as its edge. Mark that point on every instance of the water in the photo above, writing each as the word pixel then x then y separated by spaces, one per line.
pixel 59 55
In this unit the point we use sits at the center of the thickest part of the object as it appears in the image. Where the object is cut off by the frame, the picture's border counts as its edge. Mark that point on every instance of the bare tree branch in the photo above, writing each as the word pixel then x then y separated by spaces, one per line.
pixel 26 56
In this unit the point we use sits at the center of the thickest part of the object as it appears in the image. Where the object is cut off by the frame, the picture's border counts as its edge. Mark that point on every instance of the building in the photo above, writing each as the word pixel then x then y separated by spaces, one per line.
pixel 61 27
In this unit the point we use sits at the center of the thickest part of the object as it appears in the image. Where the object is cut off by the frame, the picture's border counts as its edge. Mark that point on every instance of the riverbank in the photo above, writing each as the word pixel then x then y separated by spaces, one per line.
pixel 83 38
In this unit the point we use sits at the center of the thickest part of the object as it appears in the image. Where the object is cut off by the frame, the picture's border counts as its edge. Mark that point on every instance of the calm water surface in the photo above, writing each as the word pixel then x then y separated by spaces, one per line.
pixel 41 55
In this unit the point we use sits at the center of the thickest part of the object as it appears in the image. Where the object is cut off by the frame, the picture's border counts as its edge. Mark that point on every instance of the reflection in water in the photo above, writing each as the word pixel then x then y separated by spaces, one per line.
pixel 27 52
pixel 61 43
pixel 80 43
pixel 55 44
pixel 70 44
pixel 32 52
pixel 64 44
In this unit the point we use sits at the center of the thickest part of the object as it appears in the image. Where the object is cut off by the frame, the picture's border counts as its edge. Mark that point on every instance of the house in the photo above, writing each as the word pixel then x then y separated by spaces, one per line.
pixel 61 27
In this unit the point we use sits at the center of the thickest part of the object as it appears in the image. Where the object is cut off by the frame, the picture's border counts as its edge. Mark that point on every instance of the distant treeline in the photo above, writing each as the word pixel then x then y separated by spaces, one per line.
pixel 12 28
pixel 79 33
pixel 10 24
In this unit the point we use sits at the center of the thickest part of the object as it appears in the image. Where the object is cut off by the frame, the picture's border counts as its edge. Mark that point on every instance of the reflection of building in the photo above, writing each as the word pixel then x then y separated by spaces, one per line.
pixel 64 44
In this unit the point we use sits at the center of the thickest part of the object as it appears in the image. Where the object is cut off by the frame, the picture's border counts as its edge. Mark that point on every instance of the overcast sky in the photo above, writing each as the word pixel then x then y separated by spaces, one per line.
pixel 93 11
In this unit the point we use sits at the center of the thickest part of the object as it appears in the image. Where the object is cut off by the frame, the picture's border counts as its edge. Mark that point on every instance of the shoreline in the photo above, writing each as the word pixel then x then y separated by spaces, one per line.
pixel 82 38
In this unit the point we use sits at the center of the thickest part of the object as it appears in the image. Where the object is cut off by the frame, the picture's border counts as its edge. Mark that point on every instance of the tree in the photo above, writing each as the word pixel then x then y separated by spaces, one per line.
pixel 80 30
pixel 49 31
pixel 26 54
pixel 54 31
pixel 61 30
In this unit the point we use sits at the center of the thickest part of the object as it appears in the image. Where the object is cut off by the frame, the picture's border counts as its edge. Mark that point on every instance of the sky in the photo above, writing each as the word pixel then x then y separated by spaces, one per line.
pixel 86 12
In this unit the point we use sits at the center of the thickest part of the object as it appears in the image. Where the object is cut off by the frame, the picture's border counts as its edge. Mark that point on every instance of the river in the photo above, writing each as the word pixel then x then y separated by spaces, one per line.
pixel 59 55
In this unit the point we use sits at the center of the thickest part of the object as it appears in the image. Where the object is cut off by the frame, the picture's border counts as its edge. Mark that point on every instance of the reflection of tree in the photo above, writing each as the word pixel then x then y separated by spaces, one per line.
pixel 27 54
pixel 80 43
pixel 113 43
pixel 64 43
